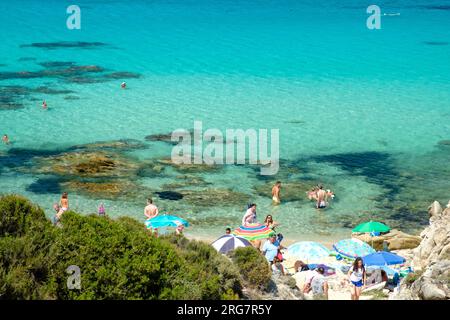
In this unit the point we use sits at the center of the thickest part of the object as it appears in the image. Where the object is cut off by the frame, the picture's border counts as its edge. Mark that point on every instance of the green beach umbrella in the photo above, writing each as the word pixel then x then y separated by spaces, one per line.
pixel 371 226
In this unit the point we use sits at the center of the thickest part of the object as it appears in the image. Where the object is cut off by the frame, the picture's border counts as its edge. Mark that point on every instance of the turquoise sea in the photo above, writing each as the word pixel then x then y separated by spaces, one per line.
pixel 366 112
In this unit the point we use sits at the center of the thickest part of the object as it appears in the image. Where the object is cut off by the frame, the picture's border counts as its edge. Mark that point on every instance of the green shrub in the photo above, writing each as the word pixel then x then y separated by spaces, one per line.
pixel 118 259
pixel 253 266
pixel 412 277
pixel 17 214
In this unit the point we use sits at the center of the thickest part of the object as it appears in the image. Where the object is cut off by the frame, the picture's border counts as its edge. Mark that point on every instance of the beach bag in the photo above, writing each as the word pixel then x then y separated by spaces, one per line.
pixel 280 256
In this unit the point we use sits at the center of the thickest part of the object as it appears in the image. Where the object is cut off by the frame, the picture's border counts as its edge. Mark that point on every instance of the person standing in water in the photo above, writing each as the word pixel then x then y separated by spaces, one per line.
pixel 276 193
pixel 250 215
pixel 321 198
pixel 123 85
pixel 5 139
pixel 150 210
pixel 44 105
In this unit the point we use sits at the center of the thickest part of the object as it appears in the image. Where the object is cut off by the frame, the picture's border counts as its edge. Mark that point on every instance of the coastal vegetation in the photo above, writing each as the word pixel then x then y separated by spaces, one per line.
pixel 118 259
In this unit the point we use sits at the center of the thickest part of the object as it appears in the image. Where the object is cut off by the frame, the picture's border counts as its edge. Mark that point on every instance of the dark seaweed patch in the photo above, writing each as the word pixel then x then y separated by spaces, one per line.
pixel 122 75
pixel 65 44
pixel 45 186
pixel 86 80
pixel 71 98
pixel 56 64
pixel 436 43
pixel 26 59
pixel 170 195
pixel 47 90
pixel 11 97
pixel 377 167
pixel 437 7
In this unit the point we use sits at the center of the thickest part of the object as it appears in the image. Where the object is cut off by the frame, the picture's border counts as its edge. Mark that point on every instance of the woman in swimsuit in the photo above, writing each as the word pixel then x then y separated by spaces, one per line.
pixel 270 223
pixel 64 205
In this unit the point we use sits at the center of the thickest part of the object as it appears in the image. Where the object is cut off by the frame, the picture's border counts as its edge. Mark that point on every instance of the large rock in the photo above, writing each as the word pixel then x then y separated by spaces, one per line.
pixel 435 209
pixel 280 288
pixel 431 261
pixel 395 240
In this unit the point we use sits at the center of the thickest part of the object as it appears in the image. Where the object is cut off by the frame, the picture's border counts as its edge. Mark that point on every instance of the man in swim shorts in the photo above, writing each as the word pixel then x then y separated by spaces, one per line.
pixel 321 198
pixel 150 210
pixel 276 193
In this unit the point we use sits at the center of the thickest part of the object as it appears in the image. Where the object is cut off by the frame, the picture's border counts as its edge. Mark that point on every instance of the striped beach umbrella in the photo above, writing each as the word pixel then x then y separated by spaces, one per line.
pixel 353 248
pixel 308 251
pixel 229 242
pixel 254 231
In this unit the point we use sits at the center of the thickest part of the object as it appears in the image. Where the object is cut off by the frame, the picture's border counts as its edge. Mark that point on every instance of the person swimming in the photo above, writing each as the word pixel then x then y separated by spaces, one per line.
pixel 123 85
pixel 5 139
pixel 44 105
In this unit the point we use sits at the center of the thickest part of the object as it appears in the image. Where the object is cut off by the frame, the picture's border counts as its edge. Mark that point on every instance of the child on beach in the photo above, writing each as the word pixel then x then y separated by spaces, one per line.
pixel 277 267
pixel 101 210
pixel 179 229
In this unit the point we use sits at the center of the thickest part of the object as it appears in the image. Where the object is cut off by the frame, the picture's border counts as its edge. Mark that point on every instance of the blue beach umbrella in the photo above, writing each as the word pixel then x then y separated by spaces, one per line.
pixel 353 248
pixel 382 258
pixel 229 242
pixel 165 221
pixel 308 251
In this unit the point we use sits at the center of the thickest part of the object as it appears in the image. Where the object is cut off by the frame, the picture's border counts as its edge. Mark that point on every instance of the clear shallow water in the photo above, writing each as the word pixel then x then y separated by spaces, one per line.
pixel 360 110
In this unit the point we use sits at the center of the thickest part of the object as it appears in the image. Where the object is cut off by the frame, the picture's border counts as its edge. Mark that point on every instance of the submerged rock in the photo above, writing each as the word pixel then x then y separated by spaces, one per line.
pixel 122 145
pixel 190 168
pixel 163 137
pixel 86 164
pixel 111 190
pixel 186 181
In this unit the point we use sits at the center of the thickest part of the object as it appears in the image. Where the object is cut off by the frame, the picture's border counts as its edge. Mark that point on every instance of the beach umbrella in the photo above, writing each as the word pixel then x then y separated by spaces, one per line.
pixel 382 258
pixel 254 231
pixel 371 226
pixel 353 248
pixel 308 251
pixel 229 242
pixel 164 221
